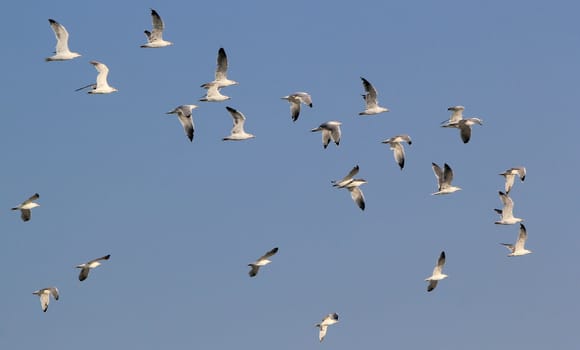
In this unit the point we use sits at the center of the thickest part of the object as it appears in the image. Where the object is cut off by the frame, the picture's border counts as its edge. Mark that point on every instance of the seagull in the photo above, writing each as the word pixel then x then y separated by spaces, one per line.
pixel 86 267
pixel 437 275
pixel 396 146
pixel 238 132
pixel 221 72
pixel 444 179
pixel 26 206
pixel 372 105
pixel 464 125
pixel 507 216
pixel 330 319
pixel 213 95
pixel 329 130
pixel 518 249
pixel 101 87
pixel 262 261
pixel 62 51
pixel 155 37
pixel 352 185
pixel 45 294
pixel 510 176
pixel 184 114
pixel 295 99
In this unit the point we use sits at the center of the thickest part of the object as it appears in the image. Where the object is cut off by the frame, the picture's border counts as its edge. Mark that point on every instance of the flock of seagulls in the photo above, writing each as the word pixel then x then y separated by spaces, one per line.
pixel 330 131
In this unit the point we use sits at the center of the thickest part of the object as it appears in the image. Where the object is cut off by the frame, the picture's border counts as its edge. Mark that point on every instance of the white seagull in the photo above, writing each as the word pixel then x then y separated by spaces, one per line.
pixel 155 36
pixel 45 294
pixel 102 86
pixel 518 249
pixel 329 130
pixel 184 114
pixel 464 125
pixel 437 273
pixel 62 52
pixel 396 146
pixel 372 104
pixel 510 176
pixel 86 267
pixel 330 319
pixel 238 132
pixel 263 260
pixel 26 206
pixel 352 185
pixel 221 73
pixel 295 100
pixel 444 179
pixel 213 95
pixel 506 213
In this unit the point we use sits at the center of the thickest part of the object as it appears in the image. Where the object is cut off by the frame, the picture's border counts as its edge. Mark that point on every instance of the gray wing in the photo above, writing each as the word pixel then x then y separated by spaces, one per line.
pixel 44 300
pixel 357 196
pixel 325 137
pixel 521 173
pixel 508 204
pixel 432 285
pixel 509 182
pixel 84 273
pixel 61 36
pixel 222 65
pixel 158 26
pixel 31 199
pixel 269 254
pixel 304 98
pixel 399 153
pixel 25 214
pixel 106 257
pixel 335 133
pixel 522 237
pixel 438 174
pixel 351 173
pixel 295 109
pixel 322 332
pixel 103 72
pixel 254 271
pixel 509 246
pixel 371 96
pixel 440 263
pixel 239 120
pixel 187 122
pixel 447 174
pixel 465 132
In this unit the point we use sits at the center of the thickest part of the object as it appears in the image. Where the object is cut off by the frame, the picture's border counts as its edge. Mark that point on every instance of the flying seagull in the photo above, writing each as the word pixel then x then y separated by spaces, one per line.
pixel 464 125
pixel 262 261
pixel 238 132
pixel 221 72
pixel 62 52
pixel 184 114
pixel 329 130
pixel 295 100
pixel 45 294
pixel 155 37
pixel 352 185
pixel 444 179
pixel 510 176
pixel 396 146
pixel 26 206
pixel 518 249
pixel 506 213
pixel 213 95
pixel 437 273
pixel 102 86
pixel 86 267
pixel 371 102
pixel 330 319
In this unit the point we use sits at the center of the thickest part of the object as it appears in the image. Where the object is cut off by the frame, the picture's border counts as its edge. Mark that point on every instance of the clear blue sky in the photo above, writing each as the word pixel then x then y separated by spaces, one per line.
pixel 181 220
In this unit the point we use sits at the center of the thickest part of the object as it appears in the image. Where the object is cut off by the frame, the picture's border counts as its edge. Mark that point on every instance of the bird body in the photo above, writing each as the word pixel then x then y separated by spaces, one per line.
pixel 444 178
pixel 506 213
pixel 221 73
pixel 371 102
pixel 238 133
pixel 518 249
pixel 295 100
pixel 510 176
pixel 352 185
pixel 396 145
pixel 437 274
pixel 45 294
pixel 262 261
pixel 86 267
pixel 102 86
pixel 184 114
pixel 329 320
pixel 155 36
pixel 464 125
pixel 213 95
pixel 330 130
pixel 26 206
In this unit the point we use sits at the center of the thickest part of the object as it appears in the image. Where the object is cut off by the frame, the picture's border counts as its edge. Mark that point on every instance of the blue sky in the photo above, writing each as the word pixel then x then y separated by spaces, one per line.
pixel 181 220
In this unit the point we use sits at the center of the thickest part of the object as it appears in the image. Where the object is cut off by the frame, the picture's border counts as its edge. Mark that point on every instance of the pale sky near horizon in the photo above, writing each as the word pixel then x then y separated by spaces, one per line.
pixel 182 220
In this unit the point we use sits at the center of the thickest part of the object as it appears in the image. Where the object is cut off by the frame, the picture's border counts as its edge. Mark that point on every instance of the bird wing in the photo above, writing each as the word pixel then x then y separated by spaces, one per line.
pixel 357 196
pixel 31 199
pixel 509 246
pixel 221 70
pixel 84 273
pixel 509 181
pixel 447 174
pixel 456 116
pixel 304 98
pixel 438 174
pixel 25 214
pixel 465 132
pixel 322 332
pixel 61 36
pixel 103 73
pixel 440 263
pixel 106 257
pixel 432 285
pixel 508 205
pixel 294 109
pixel 335 133
pixel 371 96
pixel 254 271
pixel 325 137
pixel 187 122
pixel 398 153
pixel 44 300
pixel 521 173
pixel 239 120
pixel 158 26
pixel 269 254
pixel 522 237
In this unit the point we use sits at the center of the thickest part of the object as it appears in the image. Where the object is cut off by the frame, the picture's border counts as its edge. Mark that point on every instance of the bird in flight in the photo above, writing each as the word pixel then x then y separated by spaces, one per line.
pixel 438 274
pixel 330 130
pixel 26 206
pixel 237 133
pixel 155 36
pixel 371 102
pixel 330 319
pixel 352 185
pixel 62 52
pixel 396 145
pixel 295 100
pixel 221 72
pixel 464 125
pixel 510 176
pixel 45 294
pixel 86 267
pixel 518 248
pixel 262 261
pixel 444 178
pixel 184 114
